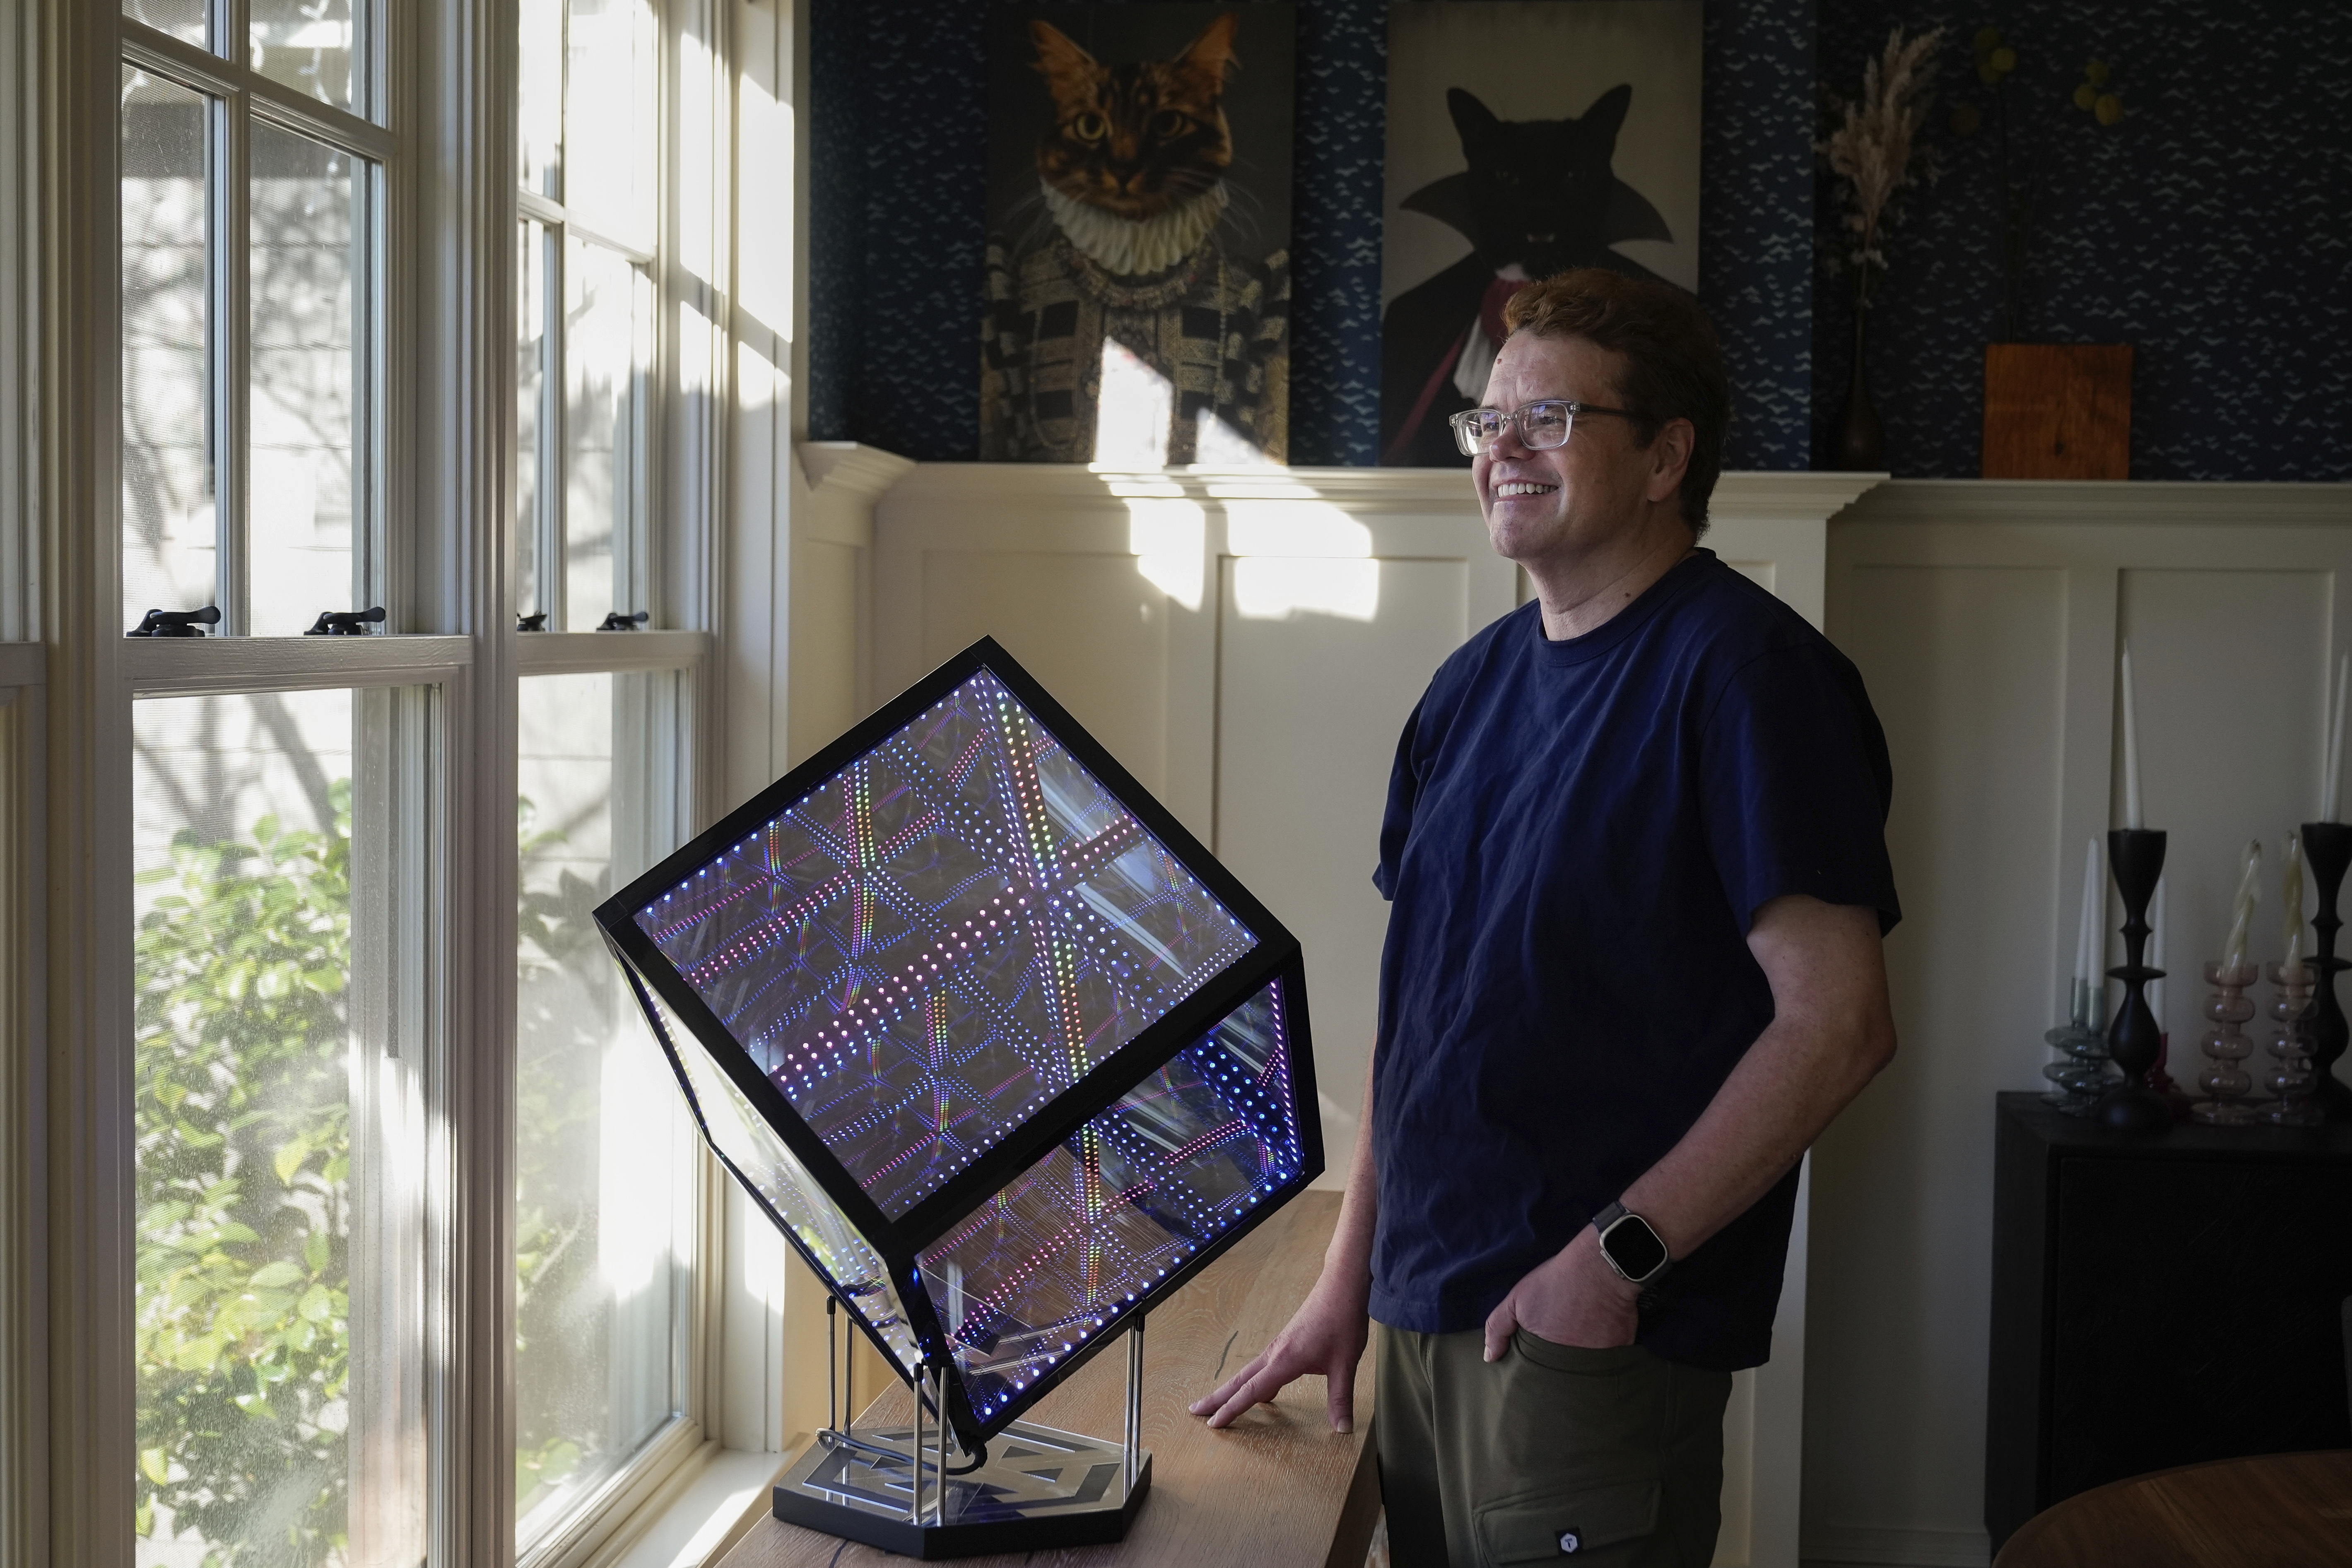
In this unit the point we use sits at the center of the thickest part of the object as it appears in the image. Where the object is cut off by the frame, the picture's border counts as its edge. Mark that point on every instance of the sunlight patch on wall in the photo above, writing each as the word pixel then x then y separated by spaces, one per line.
pixel 1219 446
pixel 1275 587
pixel 764 245
pixel 1132 415
pixel 1169 540
pixel 1294 528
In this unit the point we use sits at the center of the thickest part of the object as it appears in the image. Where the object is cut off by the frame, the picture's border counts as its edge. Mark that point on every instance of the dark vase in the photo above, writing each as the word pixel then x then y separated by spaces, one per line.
pixel 1861 445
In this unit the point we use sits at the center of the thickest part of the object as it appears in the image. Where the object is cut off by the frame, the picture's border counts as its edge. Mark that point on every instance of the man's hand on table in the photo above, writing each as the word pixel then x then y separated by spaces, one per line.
pixel 1572 1298
pixel 1325 1337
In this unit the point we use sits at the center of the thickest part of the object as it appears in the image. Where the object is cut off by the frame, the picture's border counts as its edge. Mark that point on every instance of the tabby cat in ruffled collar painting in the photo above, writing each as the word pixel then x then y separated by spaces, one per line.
pixel 1129 317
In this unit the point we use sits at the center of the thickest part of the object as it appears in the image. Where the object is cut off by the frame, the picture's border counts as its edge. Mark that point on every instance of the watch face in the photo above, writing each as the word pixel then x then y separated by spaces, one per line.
pixel 1634 1248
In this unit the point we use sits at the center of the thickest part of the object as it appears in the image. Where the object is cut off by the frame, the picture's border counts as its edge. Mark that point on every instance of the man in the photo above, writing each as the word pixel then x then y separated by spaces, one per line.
pixel 1634 850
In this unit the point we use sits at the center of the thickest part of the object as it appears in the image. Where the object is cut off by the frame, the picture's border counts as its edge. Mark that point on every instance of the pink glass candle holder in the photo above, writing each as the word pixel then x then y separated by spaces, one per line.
pixel 2292 1079
pixel 2225 1046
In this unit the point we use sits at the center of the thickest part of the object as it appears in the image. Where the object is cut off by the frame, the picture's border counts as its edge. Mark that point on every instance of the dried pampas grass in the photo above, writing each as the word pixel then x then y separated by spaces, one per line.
pixel 1871 148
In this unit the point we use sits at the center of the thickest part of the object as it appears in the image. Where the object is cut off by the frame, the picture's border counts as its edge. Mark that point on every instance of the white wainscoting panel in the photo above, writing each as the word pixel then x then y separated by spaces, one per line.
pixel 1309 707
pixel 831 590
pixel 1985 617
pixel 1249 644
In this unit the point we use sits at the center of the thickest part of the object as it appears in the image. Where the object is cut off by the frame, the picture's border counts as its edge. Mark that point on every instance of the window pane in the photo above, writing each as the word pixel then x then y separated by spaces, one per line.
pixel 168 545
pixel 305 45
pixel 183 19
pixel 305 270
pixel 604 1182
pixel 541 89
pixel 531 421
pixel 608 357
pixel 610 134
pixel 278 1335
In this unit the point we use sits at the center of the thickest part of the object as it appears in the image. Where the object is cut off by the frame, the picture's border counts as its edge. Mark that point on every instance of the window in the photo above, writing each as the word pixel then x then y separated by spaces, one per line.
pixel 283 854
pixel 586 314
pixel 252 304
pixel 286 857
pixel 277 1097
pixel 368 1164
pixel 609 1181
pixel 606 1161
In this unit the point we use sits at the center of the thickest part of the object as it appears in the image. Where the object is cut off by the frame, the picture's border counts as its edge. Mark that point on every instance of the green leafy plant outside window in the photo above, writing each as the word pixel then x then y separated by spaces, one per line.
pixel 243 1127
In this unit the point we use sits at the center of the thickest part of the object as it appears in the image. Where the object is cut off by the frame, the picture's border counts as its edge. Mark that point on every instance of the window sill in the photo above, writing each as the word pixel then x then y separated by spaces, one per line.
pixel 703 1510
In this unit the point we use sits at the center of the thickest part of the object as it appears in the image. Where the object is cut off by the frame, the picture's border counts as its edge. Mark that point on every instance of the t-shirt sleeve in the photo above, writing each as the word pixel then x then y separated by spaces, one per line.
pixel 1796 785
pixel 1396 821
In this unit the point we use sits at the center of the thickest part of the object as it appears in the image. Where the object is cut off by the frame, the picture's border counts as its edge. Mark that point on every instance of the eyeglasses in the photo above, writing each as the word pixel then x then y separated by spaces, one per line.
pixel 1542 426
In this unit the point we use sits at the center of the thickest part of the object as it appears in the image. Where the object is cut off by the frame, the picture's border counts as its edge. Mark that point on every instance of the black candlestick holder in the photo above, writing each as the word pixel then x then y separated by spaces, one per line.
pixel 2136 855
pixel 2327 846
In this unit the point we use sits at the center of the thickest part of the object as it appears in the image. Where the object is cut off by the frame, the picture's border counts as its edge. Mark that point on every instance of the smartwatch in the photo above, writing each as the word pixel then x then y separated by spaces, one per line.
pixel 1635 1251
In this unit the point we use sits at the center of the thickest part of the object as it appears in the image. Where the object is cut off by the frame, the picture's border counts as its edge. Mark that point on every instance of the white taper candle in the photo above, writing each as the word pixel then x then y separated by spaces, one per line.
pixel 2332 777
pixel 2087 920
pixel 2241 909
pixel 2291 903
pixel 2131 747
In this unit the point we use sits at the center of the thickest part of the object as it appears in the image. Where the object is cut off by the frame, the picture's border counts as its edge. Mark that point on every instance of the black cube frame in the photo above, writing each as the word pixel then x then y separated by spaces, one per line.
pixel 1275 957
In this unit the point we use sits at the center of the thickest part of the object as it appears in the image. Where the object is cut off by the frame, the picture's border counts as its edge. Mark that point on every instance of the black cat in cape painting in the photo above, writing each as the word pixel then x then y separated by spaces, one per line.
pixel 1539 196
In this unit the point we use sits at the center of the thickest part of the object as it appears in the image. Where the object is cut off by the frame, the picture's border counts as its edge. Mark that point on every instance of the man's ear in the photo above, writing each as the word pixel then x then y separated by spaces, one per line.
pixel 1670 459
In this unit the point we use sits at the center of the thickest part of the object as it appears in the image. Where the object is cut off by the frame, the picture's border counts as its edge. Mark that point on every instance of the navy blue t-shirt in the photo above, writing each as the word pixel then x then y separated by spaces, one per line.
pixel 1578 836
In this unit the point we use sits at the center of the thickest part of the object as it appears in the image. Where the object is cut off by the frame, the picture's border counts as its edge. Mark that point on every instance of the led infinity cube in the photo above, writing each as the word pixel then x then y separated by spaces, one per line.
pixel 996 1043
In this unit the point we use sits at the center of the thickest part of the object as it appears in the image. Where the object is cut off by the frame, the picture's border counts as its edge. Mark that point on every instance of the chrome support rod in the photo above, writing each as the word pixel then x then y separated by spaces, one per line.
pixel 1134 1399
pixel 915 1449
pixel 832 1365
pixel 940 1467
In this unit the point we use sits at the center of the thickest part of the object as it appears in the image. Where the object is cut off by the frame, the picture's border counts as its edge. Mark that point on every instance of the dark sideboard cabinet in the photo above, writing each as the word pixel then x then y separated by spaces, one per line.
pixel 2160 1302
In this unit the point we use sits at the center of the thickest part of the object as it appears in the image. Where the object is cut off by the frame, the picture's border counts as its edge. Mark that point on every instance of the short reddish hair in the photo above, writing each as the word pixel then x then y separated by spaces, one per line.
pixel 1674 365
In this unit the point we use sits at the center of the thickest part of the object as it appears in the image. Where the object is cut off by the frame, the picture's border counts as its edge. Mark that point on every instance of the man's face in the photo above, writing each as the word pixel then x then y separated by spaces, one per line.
pixel 1570 499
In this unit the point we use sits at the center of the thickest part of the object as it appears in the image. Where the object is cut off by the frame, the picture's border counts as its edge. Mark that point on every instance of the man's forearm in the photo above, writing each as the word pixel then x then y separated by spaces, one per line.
pixel 1325 1336
pixel 1349 1255
pixel 1786 1089
pixel 1831 1034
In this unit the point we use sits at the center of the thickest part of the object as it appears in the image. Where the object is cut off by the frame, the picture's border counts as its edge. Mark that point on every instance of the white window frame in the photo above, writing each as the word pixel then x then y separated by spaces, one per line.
pixel 441 560
pixel 27 477
pixel 249 99
pixel 23 1230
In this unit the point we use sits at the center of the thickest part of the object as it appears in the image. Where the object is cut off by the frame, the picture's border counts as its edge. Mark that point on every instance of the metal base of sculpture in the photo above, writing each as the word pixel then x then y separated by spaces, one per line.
pixel 1032 1489
pixel 1039 1489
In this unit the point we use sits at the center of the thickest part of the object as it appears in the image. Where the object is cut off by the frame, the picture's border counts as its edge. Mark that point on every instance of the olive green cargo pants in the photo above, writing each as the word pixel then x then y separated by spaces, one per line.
pixel 1550 1455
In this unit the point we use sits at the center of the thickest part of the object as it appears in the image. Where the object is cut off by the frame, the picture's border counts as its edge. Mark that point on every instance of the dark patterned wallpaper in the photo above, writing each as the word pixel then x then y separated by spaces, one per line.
pixel 2211 230
pixel 897 128
pixel 1756 220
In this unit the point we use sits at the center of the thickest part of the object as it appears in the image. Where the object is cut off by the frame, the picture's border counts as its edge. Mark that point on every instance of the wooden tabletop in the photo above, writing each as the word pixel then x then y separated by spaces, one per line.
pixel 2279 1511
pixel 1276 1488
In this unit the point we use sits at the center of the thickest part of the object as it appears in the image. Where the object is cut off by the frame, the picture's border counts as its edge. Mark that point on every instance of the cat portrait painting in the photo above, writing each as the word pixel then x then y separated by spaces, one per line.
pixel 1524 139
pixel 1137 306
